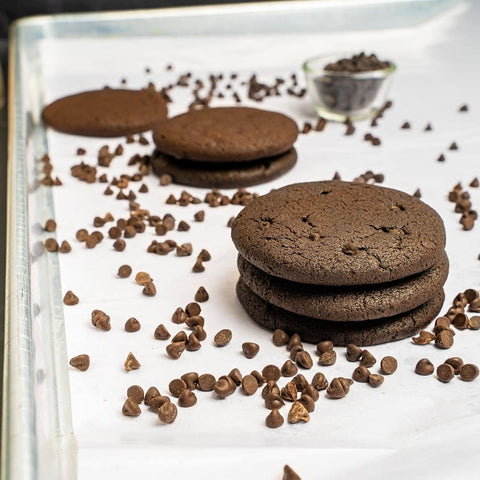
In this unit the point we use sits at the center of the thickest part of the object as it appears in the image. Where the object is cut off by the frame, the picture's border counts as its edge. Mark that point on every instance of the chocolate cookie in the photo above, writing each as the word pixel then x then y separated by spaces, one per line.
pixel 220 175
pixel 106 113
pixel 368 332
pixel 227 134
pixel 339 233
pixel 346 304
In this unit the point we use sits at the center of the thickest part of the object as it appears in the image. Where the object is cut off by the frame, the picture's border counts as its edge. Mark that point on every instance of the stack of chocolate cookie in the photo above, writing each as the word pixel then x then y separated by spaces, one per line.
pixel 226 147
pixel 340 261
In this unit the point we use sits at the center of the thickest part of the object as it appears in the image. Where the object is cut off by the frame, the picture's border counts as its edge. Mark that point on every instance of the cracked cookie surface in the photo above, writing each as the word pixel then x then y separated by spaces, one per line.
pixel 346 304
pixel 339 233
pixel 369 332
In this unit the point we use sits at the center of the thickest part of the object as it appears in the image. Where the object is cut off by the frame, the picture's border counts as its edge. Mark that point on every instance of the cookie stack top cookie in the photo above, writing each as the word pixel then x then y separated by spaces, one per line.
pixel 339 233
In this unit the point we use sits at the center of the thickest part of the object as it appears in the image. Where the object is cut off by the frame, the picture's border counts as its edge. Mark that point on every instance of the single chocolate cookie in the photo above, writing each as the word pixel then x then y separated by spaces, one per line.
pixel 221 175
pixel 227 134
pixel 106 113
pixel 368 332
pixel 339 233
pixel 346 304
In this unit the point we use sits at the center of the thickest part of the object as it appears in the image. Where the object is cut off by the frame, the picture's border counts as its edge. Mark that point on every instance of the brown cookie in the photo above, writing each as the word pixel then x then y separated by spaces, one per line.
pixel 346 304
pixel 106 113
pixel 226 134
pixel 339 233
pixel 368 332
pixel 222 175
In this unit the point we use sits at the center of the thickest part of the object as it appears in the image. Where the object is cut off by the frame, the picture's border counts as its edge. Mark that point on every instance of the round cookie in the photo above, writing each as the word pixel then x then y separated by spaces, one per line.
pixel 226 134
pixel 369 332
pixel 234 175
pixel 346 304
pixel 339 233
pixel 106 113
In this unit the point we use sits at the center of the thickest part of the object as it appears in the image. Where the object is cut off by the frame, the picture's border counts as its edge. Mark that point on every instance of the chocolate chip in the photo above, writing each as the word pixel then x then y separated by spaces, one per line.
pixel 101 320
pixel 474 306
pixel 183 226
pixel 463 108
pixel 368 360
pixel 361 374
pixel 328 358
pixel 81 362
pixel 471 294
pixel 131 363
pixel 167 413
pixel 289 474
pixel 201 295
pixel 304 360
pixel 149 290
pixel 270 387
pixel 338 387
pixel 156 402
pixel 198 266
pixel 298 413
pixel 152 392
pixel 474 183
pixel 375 380
pixel 237 378
pixel 195 320
pixel 179 316
pixel 81 151
pixel 223 337
pixel 161 333
pixel 424 338
pixel 295 351
pixel 132 325
pixel 199 216
pixel 271 372
pixel 130 408
pixel 175 350
pixel 135 392
pixel 70 298
pixel 468 372
pixel 428 127
pixel 142 278
pixel 224 387
pixel 260 378
pixel 249 384
pixel 187 398
pixel 444 339
pixel 308 402
pixel 289 369
pixel 274 419
pixel 312 392
pixel 300 381
pixel 206 382
pixel 193 309
pixel 441 158
pixel 289 392
pixel 388 365
pixel 417 193
pixel 456 363
pixel 180 337
pixel 441 323
pixel 319 382
pixel 445 372
pixel 250 349
pixel 51 245
pixel 204 255
pixel 119 245
pixel 474 323
pixel 280 338
pixel 294 340
pixel 50 225
pixel 199 332
pixel 453 146
pixel 324 346
pixel 354 353
pixel 424 367
pixel 460 321
pixel 406 126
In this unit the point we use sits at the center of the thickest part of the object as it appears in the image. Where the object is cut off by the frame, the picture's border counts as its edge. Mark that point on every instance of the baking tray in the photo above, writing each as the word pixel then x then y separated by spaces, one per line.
pixel 37 436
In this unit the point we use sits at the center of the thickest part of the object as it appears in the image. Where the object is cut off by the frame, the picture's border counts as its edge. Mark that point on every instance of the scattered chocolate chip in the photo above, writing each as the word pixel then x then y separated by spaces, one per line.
pixel 183 226
pixel 327 358
pixel 474 323
pixel 135 392
pixel 368 360
pixel 298 413
pixel 441 323
pixel 130 408
pixel 468 372
pixel 201 295
pixel 230 222
pixel 319 382
pixel 375 380
pixel 175 350
pixel 388 365
pixel 280 338
pixel 152 392
pixel 195 320
pixel 193 344
pixel 294 340
pixel 424 367
pixel 51 245
pixel 444 339
pixel 70 298
pixel 406 126
pixel 474 183
pixel 193 309
pixel 198 266
pixel 445 372
pixel 50 225
pixel 354 353
pixel 142 278
pixel 417 193
pixel 223 337
pixel 250 349
pixel 463 108
pixel 149 290
pixel 156 402
pixel 441 158
pixel 361 374
pixel 460 321
pixel 289 473
pixel 81 362
pixel 124 271
pixel 206 382
pixel 325 346
pixel 167 413
pixel 204 256
pixel 295 350
pixel 289 392
pixel 199 332
pixel 304 360
pixel 274 419
pixel 119 245
pixel 181 336
pixel 249 384
pixel 260 378
pixel 424 338
pixel 81 151
pixel 101 320
pixel 187 398
pixel 453 146
pixel 132 325
pixel 271 372
pixel 300 381
pixel 338 387
pixel 131 363
pixel 428 128
pixel 456 363
pixel 199 216
pixel 224 387
pixel 289 369
pixel 185 250
pixel 236 376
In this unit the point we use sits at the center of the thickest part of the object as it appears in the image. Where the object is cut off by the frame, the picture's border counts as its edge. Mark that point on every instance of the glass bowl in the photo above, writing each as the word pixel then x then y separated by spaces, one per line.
pixel 342 96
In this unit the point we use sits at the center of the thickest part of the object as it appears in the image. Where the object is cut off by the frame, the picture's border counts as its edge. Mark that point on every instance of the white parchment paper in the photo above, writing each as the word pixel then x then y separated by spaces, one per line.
pixel 411 425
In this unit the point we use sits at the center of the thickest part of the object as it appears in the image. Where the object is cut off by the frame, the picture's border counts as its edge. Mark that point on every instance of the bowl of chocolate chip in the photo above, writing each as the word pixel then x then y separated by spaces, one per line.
pixel 348 88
